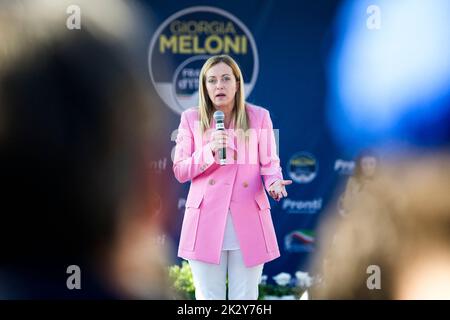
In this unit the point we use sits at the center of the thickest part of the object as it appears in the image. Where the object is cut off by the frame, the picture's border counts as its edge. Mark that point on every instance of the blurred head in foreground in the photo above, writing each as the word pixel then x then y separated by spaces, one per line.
pixel 397 223
pixel 76 134
pixel 396 242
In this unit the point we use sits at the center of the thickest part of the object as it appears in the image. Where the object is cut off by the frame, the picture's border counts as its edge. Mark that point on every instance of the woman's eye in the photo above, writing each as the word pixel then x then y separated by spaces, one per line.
pixel 211 81
pixel 226 79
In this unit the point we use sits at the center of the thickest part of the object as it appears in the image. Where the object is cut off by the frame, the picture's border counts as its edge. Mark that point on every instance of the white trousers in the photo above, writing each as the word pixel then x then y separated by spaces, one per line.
pixel 210 279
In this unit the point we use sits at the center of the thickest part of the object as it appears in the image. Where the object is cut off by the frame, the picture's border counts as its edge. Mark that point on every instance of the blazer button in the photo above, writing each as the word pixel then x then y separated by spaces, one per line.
pixel 211 181
pixel 235 156
pixel 245 184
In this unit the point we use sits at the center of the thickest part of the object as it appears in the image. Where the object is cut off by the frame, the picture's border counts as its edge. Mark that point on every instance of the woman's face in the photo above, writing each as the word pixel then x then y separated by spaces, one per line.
pixel 368 166
pixel 221 85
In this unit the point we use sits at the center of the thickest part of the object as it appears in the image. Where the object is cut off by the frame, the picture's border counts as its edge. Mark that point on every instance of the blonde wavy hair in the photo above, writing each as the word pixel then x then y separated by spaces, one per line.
pixel 205 104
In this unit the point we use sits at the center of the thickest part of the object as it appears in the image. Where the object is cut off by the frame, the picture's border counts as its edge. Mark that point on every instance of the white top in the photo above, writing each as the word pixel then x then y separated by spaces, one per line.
pixel 230 241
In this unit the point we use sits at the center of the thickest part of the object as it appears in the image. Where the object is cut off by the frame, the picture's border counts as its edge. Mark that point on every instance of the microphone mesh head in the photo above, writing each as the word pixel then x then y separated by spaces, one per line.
pixel 219 115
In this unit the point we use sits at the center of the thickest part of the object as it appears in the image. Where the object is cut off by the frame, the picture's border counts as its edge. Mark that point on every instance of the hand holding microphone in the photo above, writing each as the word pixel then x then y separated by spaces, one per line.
pixel 218 141
pixel 220 137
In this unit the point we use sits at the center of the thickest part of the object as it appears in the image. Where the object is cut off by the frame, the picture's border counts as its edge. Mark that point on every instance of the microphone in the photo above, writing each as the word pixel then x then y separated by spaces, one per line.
pixel 219 116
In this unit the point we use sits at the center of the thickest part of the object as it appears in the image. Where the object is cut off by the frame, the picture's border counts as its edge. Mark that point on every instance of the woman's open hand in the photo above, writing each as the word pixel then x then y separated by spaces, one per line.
pixel 277 190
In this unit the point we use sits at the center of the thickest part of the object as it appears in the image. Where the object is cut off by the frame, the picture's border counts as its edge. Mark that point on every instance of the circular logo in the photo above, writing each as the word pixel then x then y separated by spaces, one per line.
pixel 302 167
pixel 189 37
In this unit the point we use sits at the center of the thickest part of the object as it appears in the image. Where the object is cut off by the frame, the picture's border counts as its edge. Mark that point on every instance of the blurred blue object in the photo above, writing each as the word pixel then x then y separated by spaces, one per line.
pixel 391 83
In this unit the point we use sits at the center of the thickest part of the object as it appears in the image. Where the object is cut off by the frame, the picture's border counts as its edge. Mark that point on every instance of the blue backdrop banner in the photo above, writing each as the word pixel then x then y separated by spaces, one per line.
pixel 282 48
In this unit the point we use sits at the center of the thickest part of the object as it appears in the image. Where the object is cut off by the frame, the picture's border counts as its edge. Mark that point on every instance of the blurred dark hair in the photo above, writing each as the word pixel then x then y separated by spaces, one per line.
pixel 75 130
pixel 399 221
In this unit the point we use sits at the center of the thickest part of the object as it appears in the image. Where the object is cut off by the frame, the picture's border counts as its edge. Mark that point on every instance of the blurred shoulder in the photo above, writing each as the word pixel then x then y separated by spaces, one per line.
pixel 352 181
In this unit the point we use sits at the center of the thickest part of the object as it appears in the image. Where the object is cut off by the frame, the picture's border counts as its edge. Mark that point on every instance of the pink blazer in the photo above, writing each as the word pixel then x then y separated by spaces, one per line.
pixel 236 186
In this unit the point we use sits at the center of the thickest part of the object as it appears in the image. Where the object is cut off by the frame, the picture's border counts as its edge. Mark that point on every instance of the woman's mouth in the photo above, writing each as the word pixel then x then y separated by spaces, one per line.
pixel 220 95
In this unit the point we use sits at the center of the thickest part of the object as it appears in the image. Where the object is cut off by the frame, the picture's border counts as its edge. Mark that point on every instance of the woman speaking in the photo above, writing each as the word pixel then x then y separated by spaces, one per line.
pixel 227 227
